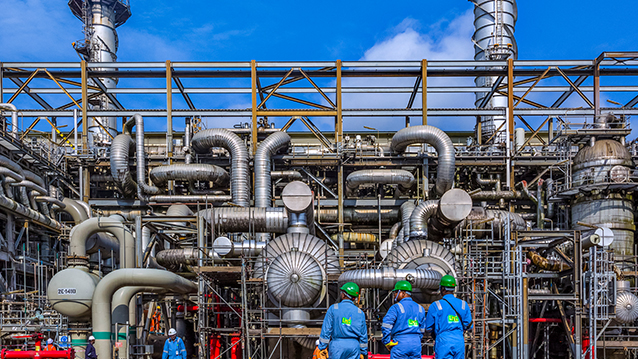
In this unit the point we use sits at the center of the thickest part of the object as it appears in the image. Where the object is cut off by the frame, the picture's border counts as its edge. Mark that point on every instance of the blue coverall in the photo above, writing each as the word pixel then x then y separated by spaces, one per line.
pixel 404 323
pixel 345 329
pixel 446 327
pixel 174 349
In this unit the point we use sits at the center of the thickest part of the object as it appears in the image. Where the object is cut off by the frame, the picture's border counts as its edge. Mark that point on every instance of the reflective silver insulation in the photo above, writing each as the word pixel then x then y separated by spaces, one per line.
pixel 142 188
pixel 121 149
pixel 204 140
pixel 11 169
pixel 496 195
pixel 288 175
pixel 422 255
pixel 606 161
pixel 263 165
pixel 406 212
pixel 294 266
pixel 386 277
pixel 358 215
pixel 173 259
pixel 437 139
pixel 420 217
pixel 481 218
pixel 403 178
pixel 189 172
pixel 207 198
pixel 20 209
pixel 238 219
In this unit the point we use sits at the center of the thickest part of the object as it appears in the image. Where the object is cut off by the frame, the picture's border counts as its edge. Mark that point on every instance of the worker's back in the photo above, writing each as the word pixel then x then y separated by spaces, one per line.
pixel 447 319
pixel 344 330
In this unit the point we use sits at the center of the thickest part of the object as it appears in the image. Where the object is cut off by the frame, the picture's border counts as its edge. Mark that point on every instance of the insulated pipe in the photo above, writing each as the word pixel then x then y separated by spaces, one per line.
pixel 496 183
pixel 356 237
pixel 263 164
pixel 386 277
pixel 204 140
pixel 51 200
pixel 34 178
pixel 14 117
pixel 101 308
pixel 224 247
pixel 85 230
pixel 403 178
pixel 549 190
pixel 358 215
pixel 121 312
pixel 11 174
pixel 16 172
pixel 75 210
pixel 440 141
pixel 179 210
pixel 394 231
pixel 31 185
pixel 420 217
pixel 406 212
pixel 121 149
pixel 24 211
pixel 496 195
pixel 209 198
pixel 237 219
pixel 142 187
pixel 189 172
pixel 173 259
pixel 290 175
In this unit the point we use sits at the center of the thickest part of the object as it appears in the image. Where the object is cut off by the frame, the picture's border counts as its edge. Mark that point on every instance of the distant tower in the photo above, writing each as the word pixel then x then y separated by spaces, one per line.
pixel 494 22
pixel 100 18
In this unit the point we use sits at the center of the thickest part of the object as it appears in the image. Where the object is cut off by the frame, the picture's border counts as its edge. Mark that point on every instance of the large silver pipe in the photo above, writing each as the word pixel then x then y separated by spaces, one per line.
pixel 263 165
pixel 237 219
pixel 14 117
pixel 179 210
pixel 75 210
pixel 394 231
pixel 22 210
pixel 481 218
pixel 142 188
pixel 204 140
pixel 106 288
pixel 406 212
pixel 189 172
pixel 81 233
pixel 31 185
pixel 496 195
pixel 49 199
pixel 386 277
pixel 437 139
pixel 289 175
pixel 121 148
pixel 208 198
pixel 359 215
pixel 420 217
pixel 224 247
pixel 173 259
pixel 16 173
pixel 403 178
pixel 123 311
pixel 34 178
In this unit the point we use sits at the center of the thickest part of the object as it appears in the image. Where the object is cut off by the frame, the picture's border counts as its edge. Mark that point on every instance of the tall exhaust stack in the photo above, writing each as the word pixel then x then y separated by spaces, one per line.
pixel 494 22
pixel 100 19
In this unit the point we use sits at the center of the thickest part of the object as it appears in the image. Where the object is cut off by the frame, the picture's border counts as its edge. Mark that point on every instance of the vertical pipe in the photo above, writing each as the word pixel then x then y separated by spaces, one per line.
pixel 338 140
pixel 139 248
pixel 253 85
pixel 75 129
pixel 85 107
pixel 424 92
pixel 525 349
pixel 169 118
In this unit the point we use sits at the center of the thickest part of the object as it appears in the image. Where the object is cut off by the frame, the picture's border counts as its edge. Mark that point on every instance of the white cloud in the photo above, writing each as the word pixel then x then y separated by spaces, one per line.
pixel 444 40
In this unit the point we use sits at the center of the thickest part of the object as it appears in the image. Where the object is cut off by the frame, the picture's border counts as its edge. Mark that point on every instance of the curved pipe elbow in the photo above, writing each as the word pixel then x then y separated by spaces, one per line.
pixel 437 139
pixel 419 219
pixel 85 230
pixel 263 165
pixel 121 148
pixel 204 140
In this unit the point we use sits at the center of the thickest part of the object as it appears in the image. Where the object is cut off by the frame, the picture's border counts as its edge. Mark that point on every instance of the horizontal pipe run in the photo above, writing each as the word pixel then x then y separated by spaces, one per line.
pixel 190 172
pixel 207 198
pixel 403 178
pixel 386 277
pixel 238 219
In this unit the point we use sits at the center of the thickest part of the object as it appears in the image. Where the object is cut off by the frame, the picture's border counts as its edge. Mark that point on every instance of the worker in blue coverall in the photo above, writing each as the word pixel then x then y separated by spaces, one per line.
pixel 447 320
pixel 344 333
pixel 404 324
pixel 174 346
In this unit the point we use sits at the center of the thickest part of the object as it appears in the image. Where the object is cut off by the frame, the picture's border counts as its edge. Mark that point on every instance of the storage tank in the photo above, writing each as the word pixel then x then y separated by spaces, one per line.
pixel 595 170
pixel 70 292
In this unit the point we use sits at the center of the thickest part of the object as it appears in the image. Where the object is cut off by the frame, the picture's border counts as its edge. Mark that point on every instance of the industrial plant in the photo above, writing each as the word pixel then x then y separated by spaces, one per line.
pixel 239 230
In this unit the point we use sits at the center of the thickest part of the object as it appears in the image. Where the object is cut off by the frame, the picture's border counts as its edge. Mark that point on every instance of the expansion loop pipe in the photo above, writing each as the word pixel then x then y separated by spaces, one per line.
pixel 82 232
pixel 121 148
pixel 419 219
pixel 106 288
pixel 204 140
pixel 189 172
pixel 440 141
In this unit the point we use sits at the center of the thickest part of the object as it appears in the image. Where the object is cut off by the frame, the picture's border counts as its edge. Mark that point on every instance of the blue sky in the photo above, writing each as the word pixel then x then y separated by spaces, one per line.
pixel 190 30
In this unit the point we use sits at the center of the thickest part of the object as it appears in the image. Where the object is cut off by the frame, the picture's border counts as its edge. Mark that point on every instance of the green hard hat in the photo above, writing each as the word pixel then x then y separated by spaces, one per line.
pixel 351 288
pixel 448 281
pixel 403 285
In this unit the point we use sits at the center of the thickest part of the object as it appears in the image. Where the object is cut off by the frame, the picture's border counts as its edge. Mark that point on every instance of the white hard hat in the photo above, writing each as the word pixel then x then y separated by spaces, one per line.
pixel 172 331
pixel 49 341
pixel 91 338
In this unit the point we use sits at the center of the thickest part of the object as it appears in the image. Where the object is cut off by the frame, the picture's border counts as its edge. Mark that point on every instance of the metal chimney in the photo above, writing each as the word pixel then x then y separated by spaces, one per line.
pixel 493 39
pixel 100 18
